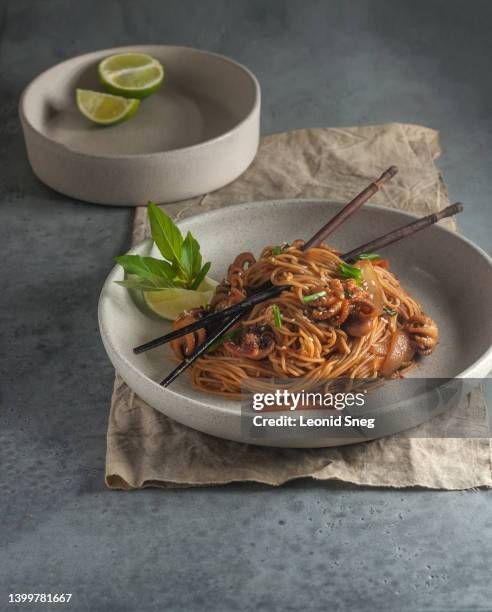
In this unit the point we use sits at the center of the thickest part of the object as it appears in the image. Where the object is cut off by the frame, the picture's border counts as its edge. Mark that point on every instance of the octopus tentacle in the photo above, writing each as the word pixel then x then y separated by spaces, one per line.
pixel 185 345
pixel 423 332
pixel 342 299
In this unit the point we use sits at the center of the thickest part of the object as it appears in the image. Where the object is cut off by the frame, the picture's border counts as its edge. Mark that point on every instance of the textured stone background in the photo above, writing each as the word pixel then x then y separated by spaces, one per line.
pixel 304 546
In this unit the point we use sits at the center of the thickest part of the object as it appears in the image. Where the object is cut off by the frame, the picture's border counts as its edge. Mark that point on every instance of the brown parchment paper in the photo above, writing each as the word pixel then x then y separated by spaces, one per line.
pixel 146 448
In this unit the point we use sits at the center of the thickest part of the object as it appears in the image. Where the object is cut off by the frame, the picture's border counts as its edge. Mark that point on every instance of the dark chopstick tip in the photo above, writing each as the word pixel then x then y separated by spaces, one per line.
pixel 451 210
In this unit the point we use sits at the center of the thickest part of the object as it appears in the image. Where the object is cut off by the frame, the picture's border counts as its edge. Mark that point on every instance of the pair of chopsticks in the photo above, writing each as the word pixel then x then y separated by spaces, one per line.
pixel 234 313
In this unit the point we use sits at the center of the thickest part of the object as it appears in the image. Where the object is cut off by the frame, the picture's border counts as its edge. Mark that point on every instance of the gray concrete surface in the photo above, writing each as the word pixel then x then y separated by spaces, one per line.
pixel 302 547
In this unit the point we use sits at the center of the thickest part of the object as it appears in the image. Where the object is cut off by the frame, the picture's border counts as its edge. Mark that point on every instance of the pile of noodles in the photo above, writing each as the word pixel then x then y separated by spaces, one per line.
pixel 311 351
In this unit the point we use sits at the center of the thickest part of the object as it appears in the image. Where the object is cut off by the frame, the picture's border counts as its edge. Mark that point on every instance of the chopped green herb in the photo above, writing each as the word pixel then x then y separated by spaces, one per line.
pixel 348 293
pixel 348 271
pixel 182 264
pixel 220 341
pixel 277 317
pixel 279 249
pixel 314 296
pixel 369 256
pixel 389 311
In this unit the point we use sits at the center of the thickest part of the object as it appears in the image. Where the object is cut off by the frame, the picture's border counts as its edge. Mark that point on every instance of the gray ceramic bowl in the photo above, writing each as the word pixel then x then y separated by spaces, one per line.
pixel 450 276
pixel 199 132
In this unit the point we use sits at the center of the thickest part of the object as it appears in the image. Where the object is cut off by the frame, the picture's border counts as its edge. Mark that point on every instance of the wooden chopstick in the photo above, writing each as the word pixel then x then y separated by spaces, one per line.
pixel 349 209
pixel 404 231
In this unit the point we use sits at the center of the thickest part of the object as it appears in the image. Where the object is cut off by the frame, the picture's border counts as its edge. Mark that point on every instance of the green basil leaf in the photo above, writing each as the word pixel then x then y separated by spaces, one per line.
pixel 148 267
pixel 191 260
pixel 201 276
pixel 165 233
pixel 197 258
pixel 143 284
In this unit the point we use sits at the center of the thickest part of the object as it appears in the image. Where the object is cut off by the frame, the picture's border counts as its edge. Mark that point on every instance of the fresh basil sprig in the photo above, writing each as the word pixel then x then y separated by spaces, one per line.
pixel 182 264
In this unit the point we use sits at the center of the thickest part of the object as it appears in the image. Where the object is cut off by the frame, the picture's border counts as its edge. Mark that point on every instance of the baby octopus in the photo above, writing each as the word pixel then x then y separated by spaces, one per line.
pixel 255 342
pixel 185 345
pixel 232 290
pixel 423 332
pixel 343 299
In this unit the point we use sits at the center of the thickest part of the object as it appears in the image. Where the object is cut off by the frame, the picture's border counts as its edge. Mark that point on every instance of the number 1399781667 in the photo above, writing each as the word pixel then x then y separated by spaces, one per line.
pixel 60 598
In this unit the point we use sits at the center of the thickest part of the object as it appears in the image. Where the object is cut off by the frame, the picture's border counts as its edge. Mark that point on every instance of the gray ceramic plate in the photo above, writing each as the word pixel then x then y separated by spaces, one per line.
pixel 449 275
pixel 199 132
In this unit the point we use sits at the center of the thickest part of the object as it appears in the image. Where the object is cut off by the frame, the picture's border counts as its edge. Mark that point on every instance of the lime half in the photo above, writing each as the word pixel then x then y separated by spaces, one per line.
pixel 170 303
pixel 105 109
pixel 133 75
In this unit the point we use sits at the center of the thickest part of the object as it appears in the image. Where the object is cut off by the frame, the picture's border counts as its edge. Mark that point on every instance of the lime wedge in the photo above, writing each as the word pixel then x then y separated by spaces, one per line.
pixel 105 109
pixel 133 75
pixel 170 303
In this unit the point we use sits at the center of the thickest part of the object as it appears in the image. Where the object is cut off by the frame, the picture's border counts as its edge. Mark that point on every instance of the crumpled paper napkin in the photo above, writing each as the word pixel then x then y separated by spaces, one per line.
pixel 146 448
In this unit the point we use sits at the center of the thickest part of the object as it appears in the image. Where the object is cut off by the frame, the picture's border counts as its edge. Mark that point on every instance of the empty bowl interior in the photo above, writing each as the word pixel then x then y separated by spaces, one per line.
pixel 450 277
pixel 203 96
